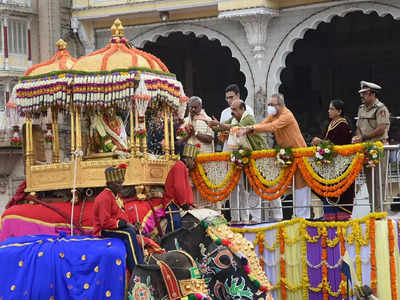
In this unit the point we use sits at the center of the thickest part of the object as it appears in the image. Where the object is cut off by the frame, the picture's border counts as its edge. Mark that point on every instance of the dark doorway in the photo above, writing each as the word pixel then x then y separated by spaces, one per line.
pixel 204 67
pixel 330 62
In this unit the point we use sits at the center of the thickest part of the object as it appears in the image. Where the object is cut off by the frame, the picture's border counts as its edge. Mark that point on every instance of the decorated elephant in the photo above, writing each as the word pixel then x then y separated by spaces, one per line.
pixel 173 275
pixel 226 260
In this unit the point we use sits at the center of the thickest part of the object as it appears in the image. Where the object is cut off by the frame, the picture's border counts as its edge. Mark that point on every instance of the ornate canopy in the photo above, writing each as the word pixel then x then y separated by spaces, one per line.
pixel 113 76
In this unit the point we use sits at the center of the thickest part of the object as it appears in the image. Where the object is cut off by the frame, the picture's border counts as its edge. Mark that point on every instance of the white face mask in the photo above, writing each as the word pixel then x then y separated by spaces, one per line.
pixel 272 110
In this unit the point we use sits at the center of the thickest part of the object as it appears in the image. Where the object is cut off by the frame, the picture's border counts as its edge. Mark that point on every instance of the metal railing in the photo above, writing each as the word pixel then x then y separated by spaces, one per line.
pixel 389 174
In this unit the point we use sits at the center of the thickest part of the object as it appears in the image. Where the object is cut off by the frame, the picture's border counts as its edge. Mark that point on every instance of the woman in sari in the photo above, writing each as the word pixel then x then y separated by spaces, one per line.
pixel 339 133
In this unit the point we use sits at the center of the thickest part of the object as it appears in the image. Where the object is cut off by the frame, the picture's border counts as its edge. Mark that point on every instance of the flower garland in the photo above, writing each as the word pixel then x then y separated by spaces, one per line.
pixel 262 179
pixel 284 157
pixel 260 241
pixel 342 253
pixel 208 193
pixel 324 152
pixel 263 191
pixel 272 189
pixel 334 180
pixel 335 190
pixel 393 279
pixel 372 154
pixel 212 185
pixel 324 269
pixel 372 254
pixel 240 157
pixel 356 236
pixel 282 262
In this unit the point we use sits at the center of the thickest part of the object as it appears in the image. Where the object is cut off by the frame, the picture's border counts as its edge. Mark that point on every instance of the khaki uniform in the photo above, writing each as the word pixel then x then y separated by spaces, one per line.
pixel 368 120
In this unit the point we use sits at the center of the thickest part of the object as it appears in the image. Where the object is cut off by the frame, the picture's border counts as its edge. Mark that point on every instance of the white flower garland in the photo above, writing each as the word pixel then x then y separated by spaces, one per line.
pixel 333 170
pixel 216 171
pixel 268 168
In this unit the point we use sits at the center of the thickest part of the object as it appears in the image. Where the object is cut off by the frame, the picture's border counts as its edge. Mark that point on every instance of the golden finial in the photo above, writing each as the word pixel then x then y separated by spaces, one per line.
pixel 61 45
pixel 117 30
pixel 114 31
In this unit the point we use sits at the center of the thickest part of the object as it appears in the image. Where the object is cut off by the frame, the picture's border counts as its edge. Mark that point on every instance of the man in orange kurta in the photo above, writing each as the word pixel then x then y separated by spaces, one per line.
pixel 287 133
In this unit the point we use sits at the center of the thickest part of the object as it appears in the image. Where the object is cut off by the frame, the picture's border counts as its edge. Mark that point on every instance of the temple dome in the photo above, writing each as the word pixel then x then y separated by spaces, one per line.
pixel 62 60
pixel 118 54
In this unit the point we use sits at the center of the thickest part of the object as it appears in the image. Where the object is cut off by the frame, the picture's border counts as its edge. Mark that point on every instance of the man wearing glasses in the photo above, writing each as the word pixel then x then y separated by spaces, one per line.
pixel 232 93
pixel 283 124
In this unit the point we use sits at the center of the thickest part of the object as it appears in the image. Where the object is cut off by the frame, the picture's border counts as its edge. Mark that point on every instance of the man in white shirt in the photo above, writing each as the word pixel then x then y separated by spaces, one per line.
pixel 232 93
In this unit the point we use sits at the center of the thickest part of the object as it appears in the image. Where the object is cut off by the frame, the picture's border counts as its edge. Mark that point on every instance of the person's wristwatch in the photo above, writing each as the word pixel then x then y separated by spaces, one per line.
pixel 363 137
pixel 251 129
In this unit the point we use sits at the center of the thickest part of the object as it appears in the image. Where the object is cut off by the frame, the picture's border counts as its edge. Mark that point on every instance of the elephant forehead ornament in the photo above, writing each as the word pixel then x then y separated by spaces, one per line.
pixel 185 287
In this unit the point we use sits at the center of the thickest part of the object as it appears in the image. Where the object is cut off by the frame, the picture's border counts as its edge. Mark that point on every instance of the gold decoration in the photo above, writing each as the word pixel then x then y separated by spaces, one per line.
pixel 96 269
pixel 40 254
pixel 61 255
pixel 68 275
pixel 117 30
pixel 191 286
pixel 109 244
pixel 61 44
pixel 108 294
pixel 86 286
pixel 118 262
pixel 83 257
pixel 241 244
pixel 20 263
pixel 13 287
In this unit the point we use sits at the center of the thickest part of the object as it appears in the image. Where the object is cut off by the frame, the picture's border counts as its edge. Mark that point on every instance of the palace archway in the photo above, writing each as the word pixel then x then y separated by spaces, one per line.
pixel 204 60
pixel 328 62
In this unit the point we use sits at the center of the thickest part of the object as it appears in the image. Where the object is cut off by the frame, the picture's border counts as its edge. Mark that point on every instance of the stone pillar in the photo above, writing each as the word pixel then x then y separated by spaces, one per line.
pixel 49 27
pixel 255 24
pixel 85 33
pixel 5 38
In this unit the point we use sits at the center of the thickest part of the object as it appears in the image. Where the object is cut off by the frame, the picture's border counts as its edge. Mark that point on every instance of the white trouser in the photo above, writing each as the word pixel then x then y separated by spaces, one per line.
pixel 302 202
pixel 274 209
pixel 238 199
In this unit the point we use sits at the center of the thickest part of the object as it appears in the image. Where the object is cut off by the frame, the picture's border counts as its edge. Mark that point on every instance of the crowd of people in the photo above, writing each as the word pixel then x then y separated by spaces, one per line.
pixel 237 119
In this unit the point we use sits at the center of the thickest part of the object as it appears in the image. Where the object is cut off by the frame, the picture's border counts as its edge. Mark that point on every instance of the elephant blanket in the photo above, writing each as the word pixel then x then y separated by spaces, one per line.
pixel 63 267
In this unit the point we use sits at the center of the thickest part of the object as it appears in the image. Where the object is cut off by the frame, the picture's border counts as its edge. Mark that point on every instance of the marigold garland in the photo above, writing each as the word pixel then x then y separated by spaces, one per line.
pixel 209 183
pixel 262 179
pixel 209 194
pixel 336 190
pixel 372 254
pixel 272 189
pixel 393 279
pixel 261 190
pixel 334 180
pixel 356 236
pixel 282 263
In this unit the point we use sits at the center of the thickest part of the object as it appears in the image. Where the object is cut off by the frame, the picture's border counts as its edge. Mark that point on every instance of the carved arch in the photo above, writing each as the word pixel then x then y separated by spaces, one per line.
pixel 278 61
pixel 201 31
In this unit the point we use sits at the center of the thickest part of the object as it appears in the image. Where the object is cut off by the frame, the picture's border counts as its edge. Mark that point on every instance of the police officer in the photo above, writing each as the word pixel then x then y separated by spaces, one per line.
pixel 373 125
